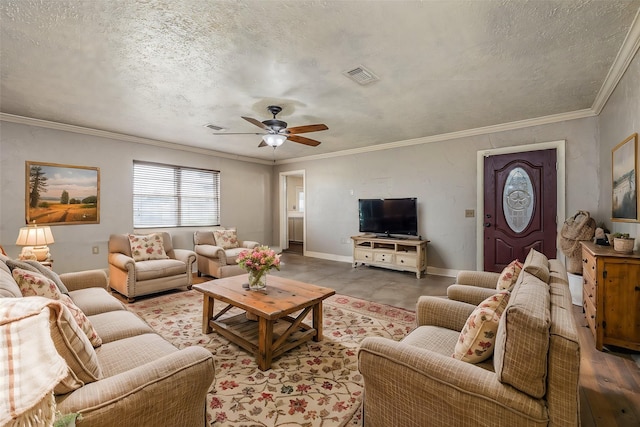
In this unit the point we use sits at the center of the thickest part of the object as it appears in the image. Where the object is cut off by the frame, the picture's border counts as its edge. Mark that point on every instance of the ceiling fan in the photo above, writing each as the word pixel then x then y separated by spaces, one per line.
pixel 278 132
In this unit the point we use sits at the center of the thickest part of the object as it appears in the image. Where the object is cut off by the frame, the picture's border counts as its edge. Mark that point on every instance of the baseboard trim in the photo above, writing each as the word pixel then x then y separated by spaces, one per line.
pixel 330 257
pixel 436 271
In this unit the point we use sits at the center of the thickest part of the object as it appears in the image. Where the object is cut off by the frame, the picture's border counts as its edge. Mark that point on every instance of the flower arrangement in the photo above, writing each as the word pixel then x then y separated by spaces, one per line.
pixel 257 262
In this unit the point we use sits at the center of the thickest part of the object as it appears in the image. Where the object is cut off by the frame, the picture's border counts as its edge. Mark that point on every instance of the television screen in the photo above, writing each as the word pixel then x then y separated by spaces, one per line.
pixel 389 216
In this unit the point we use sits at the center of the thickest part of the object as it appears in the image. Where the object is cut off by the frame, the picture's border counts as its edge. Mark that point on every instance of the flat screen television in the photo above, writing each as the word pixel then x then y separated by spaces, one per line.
pixel 389 216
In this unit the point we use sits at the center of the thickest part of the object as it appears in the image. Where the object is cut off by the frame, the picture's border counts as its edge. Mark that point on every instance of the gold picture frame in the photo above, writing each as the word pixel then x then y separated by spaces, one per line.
pixel 624 180
pixel 58 194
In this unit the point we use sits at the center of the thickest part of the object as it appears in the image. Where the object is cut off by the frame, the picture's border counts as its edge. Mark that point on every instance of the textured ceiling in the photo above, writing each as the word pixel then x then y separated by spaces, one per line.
pixel 162 69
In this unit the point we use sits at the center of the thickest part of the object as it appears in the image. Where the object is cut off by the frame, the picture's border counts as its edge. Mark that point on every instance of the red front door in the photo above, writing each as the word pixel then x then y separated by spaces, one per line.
pixel 519 207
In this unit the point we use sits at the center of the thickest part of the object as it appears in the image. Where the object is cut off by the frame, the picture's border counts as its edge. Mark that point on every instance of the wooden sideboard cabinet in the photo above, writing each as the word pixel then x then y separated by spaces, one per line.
pixel 611 295
pixel 394 254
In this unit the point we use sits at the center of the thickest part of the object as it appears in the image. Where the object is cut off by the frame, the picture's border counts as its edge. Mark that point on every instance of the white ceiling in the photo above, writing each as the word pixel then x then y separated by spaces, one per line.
pixel 161 69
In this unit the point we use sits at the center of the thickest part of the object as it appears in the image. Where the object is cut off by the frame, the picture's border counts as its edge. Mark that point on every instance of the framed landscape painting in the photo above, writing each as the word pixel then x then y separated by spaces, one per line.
pixel 624 203
pixel 62 194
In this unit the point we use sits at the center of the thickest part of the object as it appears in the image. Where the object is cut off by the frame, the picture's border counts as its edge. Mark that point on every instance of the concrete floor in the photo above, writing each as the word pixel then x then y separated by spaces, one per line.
pixel 396 288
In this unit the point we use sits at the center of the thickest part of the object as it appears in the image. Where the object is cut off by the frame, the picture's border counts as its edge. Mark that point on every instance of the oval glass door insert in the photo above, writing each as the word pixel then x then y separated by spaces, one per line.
pixel 518 200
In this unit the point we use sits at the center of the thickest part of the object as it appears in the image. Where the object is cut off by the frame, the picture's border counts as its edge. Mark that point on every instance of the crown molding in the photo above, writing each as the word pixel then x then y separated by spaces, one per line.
pixel 124 137
pixel 538 121
pixel 625 55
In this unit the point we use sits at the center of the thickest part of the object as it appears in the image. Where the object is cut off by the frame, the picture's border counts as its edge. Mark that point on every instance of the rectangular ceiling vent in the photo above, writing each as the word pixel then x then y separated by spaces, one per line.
pixel 361 75
pixel 213 127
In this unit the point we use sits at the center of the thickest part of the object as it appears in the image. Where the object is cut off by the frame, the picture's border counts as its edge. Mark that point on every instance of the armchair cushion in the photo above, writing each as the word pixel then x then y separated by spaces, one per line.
pixel 147 247
pixel 477 338
pixel 226 239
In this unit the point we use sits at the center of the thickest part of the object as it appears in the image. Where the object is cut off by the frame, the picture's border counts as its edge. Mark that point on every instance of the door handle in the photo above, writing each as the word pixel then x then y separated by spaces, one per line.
pixel 487 224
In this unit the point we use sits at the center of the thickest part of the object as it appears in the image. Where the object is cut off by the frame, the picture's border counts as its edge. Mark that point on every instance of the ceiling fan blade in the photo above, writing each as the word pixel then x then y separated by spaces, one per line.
pixel 255 122
pixel 307 128
pixel 263 144
pixel 303 140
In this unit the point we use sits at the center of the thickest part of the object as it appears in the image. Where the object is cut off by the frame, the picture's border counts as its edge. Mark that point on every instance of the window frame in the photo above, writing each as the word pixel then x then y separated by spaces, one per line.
pixel 179 196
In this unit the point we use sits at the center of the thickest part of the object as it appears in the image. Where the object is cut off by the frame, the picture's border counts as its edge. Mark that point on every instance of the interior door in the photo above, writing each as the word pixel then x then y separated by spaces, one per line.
pixel 519 206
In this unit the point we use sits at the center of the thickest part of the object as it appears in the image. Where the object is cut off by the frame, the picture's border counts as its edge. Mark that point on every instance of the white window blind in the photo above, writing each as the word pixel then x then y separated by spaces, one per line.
pixel 174 196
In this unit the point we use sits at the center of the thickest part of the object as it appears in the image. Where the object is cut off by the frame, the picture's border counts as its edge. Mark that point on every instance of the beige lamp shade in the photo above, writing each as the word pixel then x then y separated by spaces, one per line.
pixel 35 240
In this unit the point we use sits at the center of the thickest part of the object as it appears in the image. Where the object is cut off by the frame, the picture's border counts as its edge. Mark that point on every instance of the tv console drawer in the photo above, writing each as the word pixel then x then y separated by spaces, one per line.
pixel 404 259
pixel 383 257
pixel 363 255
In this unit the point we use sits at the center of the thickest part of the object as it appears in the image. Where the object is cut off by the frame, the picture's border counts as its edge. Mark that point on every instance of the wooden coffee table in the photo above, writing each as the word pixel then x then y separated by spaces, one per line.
pixel 276 329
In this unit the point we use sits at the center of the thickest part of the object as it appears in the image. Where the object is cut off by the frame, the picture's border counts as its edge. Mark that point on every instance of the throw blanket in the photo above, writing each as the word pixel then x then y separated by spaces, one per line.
pixel 30 366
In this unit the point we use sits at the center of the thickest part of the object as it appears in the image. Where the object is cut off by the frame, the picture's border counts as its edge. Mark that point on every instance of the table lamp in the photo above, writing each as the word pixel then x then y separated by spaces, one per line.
pixel 35 240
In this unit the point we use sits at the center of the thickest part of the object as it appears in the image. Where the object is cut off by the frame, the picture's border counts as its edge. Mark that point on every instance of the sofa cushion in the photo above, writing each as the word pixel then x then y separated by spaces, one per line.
pixel 139 350
pixel 154 269
pixel 116 325
pixel 226 239
pixel 537 264
pixel 522 342
pixel 95 300
pixel 35 284
pixel 509 275
pixel 477 338
pixel 147 247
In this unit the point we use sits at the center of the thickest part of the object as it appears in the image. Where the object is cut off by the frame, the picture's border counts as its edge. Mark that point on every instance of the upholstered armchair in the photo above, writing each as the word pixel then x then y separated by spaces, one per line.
pixel 217 250
pixel 146 264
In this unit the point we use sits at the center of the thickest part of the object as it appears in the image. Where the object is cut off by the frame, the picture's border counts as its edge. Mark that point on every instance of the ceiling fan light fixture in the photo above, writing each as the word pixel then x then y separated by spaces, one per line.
pixel 274 140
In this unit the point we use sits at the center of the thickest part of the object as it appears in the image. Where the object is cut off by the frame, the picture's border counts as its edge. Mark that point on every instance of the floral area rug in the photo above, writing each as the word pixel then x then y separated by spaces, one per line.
pixel 316 384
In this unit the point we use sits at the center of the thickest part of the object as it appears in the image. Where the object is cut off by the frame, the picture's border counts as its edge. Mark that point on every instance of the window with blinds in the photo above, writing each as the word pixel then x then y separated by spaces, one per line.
pixel 174 196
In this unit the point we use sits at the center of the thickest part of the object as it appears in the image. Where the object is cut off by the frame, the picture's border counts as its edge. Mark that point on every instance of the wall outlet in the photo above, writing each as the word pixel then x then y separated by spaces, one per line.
pixel 469 213
pixel 95 250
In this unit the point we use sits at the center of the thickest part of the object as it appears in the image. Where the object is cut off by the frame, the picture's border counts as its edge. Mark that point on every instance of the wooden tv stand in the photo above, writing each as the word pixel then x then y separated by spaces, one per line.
pixel 394 254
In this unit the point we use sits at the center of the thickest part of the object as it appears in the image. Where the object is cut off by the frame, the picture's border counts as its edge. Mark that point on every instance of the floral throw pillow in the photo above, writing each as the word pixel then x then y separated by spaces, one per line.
pixel 34 284
pixel 509 276
pixel 478 336
pixel 226 239
pixel 146 247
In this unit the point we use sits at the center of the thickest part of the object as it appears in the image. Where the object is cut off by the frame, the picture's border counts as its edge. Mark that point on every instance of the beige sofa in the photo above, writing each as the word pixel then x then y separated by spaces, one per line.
pixel 531 379
pixel 213 258
pixel 144 381
pixel 133 278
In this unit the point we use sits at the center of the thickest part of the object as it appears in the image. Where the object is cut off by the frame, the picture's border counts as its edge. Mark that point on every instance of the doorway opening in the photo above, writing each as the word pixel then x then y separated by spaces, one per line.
pixel 292 212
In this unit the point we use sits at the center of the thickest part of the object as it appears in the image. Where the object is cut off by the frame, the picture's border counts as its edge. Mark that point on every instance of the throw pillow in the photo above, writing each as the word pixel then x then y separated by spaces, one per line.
pixel 50 274
pixel 226 239
pixel 147 247
pixel 509 276
pixel 35 284
pixel 478 336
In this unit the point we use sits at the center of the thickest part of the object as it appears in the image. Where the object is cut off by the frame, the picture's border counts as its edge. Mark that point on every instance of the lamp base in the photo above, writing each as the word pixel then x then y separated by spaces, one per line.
pixel 37 253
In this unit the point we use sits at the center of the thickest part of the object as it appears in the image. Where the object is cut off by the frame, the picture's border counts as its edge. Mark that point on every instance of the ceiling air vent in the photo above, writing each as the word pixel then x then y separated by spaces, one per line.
pixel 213 127
pixel 361 75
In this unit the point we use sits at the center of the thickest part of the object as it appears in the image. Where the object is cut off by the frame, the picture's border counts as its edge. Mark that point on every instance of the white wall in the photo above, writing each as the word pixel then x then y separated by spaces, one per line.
pixel 246 190
pixel 442 176
pixel 619 119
